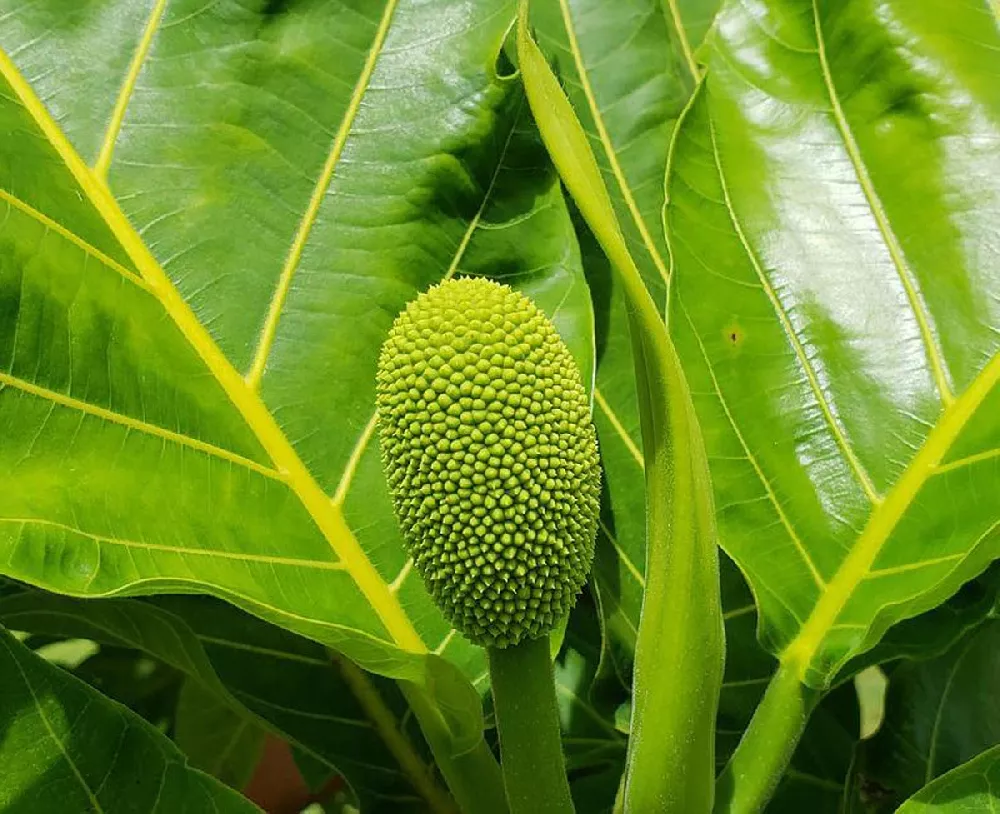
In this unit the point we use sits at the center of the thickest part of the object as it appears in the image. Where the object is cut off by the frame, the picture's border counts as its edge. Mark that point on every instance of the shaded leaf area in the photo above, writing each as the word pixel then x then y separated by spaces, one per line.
pixel 145 685
pixel 936 631
pixel 203 242
pixel 938 715
pixel 588 696
pixel 216 738
pixel 65 747
pixel 840 342
pixel 971 787
pixel 624 72
pixel 263 676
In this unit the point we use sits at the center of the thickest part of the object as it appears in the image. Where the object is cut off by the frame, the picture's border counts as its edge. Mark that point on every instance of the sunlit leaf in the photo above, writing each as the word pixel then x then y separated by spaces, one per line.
pixel 842 342
pixel 205 237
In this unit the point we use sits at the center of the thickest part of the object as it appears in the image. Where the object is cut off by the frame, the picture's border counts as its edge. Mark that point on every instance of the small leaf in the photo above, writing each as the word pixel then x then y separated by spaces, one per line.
pixel 65 747
pixel 972 787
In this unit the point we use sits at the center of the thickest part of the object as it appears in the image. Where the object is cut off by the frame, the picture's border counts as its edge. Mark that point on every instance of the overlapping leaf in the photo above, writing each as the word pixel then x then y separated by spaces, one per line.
pixel 216 738
pixel 938 714
pixel 269 677
pixel 65 747
pixel 205 236
pixel 842 341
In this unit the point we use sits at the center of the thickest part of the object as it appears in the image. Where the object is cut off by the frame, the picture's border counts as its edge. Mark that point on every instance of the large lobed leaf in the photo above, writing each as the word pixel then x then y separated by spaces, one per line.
pixel 65 747
pixel 205 236
pixel 841 340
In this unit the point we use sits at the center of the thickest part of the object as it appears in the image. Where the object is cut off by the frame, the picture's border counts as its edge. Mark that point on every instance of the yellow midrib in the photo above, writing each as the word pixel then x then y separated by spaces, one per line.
pixel 609 149
pixel 883 520
pixel 326 516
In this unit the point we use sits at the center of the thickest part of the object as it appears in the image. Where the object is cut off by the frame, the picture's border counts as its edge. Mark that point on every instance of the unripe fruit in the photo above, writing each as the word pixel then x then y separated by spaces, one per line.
pixel 491 458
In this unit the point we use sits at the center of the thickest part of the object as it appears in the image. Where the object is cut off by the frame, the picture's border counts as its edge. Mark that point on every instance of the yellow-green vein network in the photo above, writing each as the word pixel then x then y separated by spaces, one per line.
pixel 491 458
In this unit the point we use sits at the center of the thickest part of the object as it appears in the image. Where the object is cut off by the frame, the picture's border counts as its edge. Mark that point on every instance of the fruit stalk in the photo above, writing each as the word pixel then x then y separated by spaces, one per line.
pixel 524 700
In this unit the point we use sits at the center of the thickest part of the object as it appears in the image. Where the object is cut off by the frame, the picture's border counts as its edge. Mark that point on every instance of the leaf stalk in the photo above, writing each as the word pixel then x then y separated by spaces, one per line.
pixel 753 772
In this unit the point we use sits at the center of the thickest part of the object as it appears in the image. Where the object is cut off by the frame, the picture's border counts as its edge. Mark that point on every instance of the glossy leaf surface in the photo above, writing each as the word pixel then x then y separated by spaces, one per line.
pixel 204 239
pixel 65 747
pixel 842 342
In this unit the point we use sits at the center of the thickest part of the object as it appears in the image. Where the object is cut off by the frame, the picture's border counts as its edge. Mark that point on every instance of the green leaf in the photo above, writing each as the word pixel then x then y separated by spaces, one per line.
pixel 842 341
pixel 65 747
pixel 972 787
pixel 345 721
pixel 204 240
pixel 672 767
pixel 217 739
pixel 938 714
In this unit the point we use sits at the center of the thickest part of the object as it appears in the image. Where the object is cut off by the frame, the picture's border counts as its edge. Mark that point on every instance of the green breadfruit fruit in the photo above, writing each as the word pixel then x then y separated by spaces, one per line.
pixel 491 458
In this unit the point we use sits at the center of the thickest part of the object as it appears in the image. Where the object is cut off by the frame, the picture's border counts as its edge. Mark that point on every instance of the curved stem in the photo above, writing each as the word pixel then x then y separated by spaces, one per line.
pixel 753 772
pixel 473 777
pixel 524 700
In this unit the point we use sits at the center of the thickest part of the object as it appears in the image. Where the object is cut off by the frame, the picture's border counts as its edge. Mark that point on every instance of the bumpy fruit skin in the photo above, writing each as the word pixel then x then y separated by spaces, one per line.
pixel 491 458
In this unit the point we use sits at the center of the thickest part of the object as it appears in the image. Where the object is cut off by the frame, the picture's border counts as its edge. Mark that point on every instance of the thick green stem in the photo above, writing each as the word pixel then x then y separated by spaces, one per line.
pixel 524 700
pixel 753 772
pixel 473 777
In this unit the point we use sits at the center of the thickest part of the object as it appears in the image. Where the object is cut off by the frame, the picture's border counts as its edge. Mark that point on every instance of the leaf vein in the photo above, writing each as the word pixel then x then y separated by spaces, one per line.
pixel 6 380
pixel 103 162
pixel 860 473
pixel 609 148
pixel 939 370
pixel 202 552
pixel 292 260
pixel 73 238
